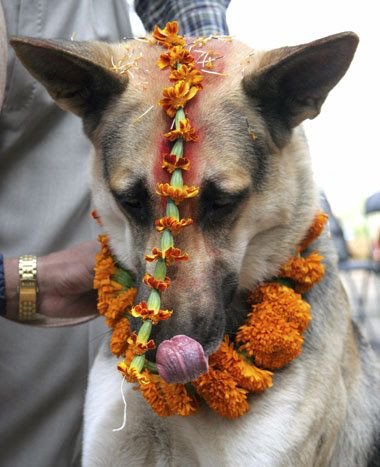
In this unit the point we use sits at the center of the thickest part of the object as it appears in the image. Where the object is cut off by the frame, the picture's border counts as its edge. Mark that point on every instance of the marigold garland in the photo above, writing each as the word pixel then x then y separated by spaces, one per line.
pixel 270 338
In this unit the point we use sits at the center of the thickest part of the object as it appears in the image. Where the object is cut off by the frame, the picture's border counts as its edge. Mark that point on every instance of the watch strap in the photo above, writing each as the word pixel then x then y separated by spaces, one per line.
pixel 27 267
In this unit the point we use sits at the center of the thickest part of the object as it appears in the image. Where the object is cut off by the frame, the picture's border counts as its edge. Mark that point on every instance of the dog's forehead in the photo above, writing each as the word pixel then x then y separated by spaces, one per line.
pixel 132 137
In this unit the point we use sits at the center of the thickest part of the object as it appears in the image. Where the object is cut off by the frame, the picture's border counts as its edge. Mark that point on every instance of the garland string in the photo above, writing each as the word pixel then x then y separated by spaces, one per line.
pixel 270 338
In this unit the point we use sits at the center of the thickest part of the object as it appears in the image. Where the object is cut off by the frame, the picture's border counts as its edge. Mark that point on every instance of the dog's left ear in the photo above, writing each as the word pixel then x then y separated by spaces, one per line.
pixel 76 74
pixel 293 82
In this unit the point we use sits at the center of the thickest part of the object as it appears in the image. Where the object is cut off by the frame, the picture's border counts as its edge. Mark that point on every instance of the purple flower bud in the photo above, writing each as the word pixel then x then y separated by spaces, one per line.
pixel 181 359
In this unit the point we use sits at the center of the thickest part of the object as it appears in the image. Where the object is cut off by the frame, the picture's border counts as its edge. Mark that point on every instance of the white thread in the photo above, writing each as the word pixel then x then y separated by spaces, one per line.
pixel 125 408
pixel 213 72
pixel 143 114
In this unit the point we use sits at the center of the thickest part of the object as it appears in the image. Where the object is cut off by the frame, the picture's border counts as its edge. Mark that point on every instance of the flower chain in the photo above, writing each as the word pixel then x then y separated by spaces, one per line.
pixel 272 334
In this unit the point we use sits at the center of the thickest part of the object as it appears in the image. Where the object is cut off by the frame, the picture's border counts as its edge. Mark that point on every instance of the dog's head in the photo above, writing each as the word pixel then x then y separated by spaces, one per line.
pixel 256 199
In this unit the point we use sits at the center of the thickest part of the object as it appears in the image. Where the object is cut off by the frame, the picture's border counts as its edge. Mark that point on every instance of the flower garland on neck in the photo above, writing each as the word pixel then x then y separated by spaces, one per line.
pixel 272 334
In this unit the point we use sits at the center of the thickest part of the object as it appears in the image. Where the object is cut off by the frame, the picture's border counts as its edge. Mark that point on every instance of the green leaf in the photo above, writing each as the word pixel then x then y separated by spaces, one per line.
pixel 123 277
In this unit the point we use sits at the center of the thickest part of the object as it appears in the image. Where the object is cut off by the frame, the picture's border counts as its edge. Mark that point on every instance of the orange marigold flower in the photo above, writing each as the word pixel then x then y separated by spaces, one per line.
pixel 314 231
pixel 174 56
pixel 188 73
pixel 142 311
pixel 152 393
pixel 283 301
pixel 177 96
pixel 170 223
pixel 221 393
pixel 118 306
pixel 119 338
pixel 305 272
pixel 269 339
pixel 168 36
pixel 185 131
pixel 176 194
pixel 154 283
pixel 246 375
pixel 171 163
pixel 180 402
pixel 139 348
pixel 170 255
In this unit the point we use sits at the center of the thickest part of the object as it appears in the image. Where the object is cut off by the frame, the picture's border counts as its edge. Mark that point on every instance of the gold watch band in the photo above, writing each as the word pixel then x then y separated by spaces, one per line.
pixel 27 268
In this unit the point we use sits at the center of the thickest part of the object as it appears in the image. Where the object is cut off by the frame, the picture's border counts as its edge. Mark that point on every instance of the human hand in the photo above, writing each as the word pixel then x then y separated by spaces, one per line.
pixel 65 284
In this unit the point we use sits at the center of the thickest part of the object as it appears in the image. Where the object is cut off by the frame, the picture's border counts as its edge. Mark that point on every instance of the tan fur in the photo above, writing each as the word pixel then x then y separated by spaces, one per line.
pixel 324 408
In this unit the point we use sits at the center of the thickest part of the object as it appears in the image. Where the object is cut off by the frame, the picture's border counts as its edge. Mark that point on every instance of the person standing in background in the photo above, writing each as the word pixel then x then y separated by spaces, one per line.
pixel 44 205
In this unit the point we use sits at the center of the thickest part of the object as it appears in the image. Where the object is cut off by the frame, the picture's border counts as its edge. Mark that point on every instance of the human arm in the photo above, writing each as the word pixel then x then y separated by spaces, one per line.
pixel 65 284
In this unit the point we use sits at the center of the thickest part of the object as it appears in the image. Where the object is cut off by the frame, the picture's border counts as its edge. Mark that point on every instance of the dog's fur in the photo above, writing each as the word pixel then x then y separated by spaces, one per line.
pixel 256 203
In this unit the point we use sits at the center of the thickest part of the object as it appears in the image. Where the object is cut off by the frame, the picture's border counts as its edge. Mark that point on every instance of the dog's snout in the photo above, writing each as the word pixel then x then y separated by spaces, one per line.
pixel 229 287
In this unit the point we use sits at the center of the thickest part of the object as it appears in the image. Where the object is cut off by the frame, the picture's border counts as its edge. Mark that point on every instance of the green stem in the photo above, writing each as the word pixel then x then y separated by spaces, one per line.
pixel 176 179
pixel 179 116
pixel 154 300
pixel 167 240
pixel 160 270
pixel 150 366
pixel 177 148
pixel 172 209
pixel 138 363
pixel 144 331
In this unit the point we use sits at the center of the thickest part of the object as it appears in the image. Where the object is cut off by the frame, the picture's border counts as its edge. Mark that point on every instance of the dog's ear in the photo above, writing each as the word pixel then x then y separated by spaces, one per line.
pixel 293 82
pixel 76 74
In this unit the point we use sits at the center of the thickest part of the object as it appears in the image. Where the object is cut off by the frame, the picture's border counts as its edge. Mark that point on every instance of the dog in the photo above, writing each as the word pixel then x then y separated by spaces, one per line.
pixel 257 200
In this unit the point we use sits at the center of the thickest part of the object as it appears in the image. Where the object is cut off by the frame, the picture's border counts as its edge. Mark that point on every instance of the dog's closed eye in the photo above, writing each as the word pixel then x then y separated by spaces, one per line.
pixel 135 203
pixel 217 206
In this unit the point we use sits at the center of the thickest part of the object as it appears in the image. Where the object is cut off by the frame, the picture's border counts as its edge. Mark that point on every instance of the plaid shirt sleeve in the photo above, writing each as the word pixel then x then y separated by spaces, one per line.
pixel 195 17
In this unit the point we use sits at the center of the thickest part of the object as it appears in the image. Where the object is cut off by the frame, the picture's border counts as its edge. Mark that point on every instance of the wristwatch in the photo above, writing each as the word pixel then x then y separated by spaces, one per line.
pixel 27 268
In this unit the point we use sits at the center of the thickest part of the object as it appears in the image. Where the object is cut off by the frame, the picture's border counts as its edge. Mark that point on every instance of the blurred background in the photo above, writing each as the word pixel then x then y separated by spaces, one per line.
pixel 343 138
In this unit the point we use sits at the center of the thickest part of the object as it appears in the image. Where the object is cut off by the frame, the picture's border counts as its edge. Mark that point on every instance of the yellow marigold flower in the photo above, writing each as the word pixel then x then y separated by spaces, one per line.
pixel 174 56
pixel 176 194
pixel 168 36
pixel 269 339
pixel 185 131
pixel 305 272
pixel 131 374
pixel 142 311
pixel 177 96
pixel 170 223
pixel 119 338
pixel 171 163
pixel 246 375
pixel 139 348
pixel 170 255
pixel 188 73
pixel 222 394
pixel 314 231
pixel 154 283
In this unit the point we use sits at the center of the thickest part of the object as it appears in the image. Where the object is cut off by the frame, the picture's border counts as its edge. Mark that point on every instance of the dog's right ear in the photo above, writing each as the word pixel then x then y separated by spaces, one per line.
pixel 76 74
